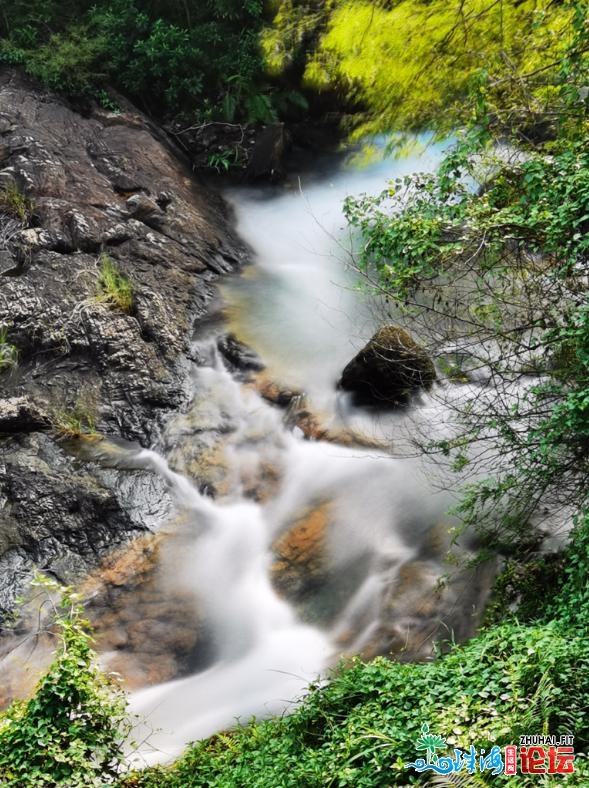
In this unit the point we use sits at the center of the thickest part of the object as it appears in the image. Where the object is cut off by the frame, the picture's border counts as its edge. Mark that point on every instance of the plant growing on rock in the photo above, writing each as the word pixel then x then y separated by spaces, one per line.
pixel 8 352
pixel 113 287
pixel 70 733
pixel 14 203
pixel 75 424
pixel 79 420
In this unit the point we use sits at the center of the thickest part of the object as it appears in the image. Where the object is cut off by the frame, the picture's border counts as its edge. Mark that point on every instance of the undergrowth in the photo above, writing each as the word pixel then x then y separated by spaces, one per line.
pixel 70 732
pixel 360 729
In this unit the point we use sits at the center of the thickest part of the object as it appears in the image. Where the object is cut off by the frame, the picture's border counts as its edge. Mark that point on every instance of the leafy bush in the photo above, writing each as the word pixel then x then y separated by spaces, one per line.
pixel 70 732
pixel 187 59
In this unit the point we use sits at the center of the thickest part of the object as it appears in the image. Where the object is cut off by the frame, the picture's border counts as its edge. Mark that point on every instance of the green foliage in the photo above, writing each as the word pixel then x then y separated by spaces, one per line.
pixel 488 257
pixel 571 605
pixel 361 728
pixel 114 288
pixel 8 352
pixel 15 204
pixel 365 724
pixel 175 59
pixel 223 160
pixel 70 732
pixel 491 251
pixel 410 64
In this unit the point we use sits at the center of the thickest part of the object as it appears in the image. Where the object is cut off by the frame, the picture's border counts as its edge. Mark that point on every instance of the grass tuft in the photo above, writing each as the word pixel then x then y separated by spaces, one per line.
pixel 76 422
pixel 14 203
pixel 113 287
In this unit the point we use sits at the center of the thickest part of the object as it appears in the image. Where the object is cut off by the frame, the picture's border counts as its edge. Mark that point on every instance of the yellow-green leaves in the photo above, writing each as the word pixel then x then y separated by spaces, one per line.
pixel 410 65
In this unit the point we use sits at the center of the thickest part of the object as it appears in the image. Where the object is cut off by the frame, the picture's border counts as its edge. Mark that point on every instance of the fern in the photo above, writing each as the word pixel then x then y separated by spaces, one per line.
pixel 537 715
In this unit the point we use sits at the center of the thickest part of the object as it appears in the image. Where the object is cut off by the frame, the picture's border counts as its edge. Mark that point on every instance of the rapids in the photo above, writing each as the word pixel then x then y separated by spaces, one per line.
pixel 280 553
pixel 382 546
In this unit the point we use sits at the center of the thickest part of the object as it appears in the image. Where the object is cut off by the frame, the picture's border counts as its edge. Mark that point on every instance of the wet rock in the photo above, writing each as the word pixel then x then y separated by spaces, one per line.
pixel 275 392
pixel 20 414
pixel 144 634
pixel 266 159
pixel 144 209
pixel 238 355
pixel 315 430
pixel 428 606
pixel 312 425
pixel 52 514
pixel 389 369
pixel 260 149
pixel 304 571
pixel 300 566
pixel 80 355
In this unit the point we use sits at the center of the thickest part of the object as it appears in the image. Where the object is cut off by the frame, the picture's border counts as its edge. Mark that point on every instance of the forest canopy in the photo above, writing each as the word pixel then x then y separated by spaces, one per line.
pixel 410 64
pixel 401 65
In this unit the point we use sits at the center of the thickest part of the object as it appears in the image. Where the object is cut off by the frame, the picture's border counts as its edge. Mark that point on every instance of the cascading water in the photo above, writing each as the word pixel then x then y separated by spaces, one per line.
pixel 382 511
pixel 263 654
pixel 382 537
pixel 309 548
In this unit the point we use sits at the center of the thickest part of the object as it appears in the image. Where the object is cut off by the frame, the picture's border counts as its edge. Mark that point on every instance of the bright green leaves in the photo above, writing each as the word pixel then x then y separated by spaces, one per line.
pixel 410 64
pixel 71 732
pixel 407 230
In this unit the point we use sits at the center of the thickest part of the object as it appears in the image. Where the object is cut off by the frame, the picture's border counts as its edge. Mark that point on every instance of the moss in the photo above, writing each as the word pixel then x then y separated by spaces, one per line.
pixel 8 352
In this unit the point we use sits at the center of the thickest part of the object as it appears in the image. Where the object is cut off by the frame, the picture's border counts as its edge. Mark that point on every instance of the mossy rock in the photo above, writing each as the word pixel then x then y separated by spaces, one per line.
pixel 389 369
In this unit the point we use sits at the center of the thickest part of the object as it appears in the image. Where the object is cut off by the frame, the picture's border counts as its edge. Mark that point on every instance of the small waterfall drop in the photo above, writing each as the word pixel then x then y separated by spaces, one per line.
pixel 311 548
pixel 263 654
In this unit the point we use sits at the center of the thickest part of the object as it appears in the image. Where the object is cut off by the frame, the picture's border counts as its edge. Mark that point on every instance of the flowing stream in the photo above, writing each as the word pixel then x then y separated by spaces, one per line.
pixel 311 548
pixel 326 534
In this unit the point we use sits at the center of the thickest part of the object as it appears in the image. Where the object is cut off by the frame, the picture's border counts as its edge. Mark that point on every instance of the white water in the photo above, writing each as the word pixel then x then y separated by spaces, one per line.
pixel 264 655
pixel 298 308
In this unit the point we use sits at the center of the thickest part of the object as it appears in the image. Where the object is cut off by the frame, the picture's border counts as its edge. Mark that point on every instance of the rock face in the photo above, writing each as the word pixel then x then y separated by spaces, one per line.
pixel 260 149
pixel 389 369
pixel 78 193
pixel 18 414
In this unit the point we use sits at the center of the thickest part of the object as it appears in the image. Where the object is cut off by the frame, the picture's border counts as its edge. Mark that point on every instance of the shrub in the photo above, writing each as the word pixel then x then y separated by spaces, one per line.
pixel 70 732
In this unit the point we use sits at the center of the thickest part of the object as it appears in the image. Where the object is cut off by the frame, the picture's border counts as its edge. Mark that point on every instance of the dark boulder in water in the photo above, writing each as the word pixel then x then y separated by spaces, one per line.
pixel 389 369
